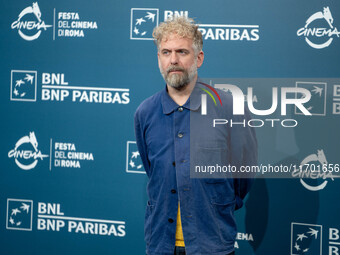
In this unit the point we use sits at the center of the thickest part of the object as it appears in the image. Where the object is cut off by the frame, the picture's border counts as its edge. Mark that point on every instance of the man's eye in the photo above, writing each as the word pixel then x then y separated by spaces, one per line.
pixel 165 52
pixel 182 52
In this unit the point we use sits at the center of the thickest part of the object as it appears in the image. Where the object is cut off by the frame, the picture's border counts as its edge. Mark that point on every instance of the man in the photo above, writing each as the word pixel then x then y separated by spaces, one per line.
pixel 186 215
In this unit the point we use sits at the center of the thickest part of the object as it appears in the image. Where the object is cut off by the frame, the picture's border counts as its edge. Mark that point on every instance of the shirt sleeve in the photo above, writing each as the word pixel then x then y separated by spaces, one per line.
pixel 248 153
pixel 140 140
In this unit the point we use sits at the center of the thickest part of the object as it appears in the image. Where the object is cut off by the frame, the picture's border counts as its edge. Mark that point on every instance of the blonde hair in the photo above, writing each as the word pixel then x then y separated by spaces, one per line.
pixel 181 26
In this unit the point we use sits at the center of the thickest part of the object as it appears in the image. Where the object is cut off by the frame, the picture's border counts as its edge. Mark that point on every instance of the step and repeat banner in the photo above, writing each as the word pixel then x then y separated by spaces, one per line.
pixel 73 74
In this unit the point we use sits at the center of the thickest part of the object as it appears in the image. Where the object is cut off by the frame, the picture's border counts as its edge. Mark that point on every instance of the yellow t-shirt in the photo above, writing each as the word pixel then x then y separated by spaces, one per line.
pixel 179 231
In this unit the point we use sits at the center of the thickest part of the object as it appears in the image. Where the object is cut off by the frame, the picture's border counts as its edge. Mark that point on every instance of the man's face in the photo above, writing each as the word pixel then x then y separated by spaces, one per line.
pixel 177 61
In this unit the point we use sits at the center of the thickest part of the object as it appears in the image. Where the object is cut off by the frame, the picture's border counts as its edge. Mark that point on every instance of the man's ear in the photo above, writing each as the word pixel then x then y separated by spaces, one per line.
pixel 200 58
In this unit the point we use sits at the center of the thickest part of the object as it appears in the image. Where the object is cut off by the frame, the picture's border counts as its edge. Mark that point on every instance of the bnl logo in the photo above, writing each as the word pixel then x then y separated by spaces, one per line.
pixel 306 239
pixel 317 103
pixel 23 85
pixel 143 21
pixel 19 214
pixel 134 162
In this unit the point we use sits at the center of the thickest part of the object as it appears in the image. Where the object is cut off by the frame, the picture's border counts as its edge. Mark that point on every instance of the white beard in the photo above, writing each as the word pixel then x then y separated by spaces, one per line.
pixel 179 80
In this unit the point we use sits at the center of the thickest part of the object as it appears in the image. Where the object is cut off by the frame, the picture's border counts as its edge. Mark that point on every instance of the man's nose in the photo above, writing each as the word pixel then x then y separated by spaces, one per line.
pixel 174 58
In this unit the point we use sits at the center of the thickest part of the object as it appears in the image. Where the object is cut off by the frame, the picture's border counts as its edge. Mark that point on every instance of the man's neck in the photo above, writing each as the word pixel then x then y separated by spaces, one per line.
pixel 181 96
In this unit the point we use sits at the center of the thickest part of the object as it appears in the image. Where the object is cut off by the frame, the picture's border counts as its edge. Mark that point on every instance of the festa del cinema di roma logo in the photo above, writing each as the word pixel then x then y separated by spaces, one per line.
pixel 30 24
pixel 29 20
pixel 319 32
pixel 23 155
pixel 61 155
pixel 315 163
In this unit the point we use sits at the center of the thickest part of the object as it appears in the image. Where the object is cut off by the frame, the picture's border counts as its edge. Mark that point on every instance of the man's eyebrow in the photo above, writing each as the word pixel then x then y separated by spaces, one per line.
pixel 180 49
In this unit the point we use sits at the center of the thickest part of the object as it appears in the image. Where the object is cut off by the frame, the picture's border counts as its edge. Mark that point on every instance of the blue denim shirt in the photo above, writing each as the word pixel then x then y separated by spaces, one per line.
pixel 207 205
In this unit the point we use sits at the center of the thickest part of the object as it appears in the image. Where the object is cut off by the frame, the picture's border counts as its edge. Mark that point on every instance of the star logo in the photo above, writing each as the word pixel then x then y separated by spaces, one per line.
pixel 150 16
pixel 25 207
pixel 306 239
pixel 19 82
pixel 23 85
pixel 134 162
pixel 15 211
pixel 29 78
pixel 139 21
pixel 19 214
pixel 300 237
pixel 317 104
pixel 143 21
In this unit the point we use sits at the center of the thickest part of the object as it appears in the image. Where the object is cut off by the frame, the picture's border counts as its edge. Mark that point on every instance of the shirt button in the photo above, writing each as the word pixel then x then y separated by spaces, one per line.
pixel 174 163
pixel 173 191
pixel 180 109
pixel 180 135
pixel 170 220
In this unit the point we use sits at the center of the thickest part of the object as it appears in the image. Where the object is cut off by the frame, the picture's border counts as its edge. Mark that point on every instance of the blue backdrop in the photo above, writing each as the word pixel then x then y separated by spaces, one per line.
pixel 73 74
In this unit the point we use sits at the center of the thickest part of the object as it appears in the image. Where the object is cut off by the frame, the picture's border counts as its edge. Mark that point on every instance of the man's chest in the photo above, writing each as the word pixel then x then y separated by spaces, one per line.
pixel 169 134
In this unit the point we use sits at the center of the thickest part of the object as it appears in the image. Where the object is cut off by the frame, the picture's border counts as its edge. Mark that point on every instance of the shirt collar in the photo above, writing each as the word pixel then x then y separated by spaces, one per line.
pixel 193 103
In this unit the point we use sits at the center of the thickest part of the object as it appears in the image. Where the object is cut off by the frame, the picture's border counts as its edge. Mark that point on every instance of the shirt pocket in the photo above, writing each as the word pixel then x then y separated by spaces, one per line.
pixel 225 220
pixel 219 191
pixel 210 164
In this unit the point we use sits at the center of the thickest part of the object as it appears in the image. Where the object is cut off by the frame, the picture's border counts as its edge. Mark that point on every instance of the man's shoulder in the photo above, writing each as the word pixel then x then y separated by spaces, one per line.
pixel 149 104
pixel 226 95
pixel 222 95
pixel 225 98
